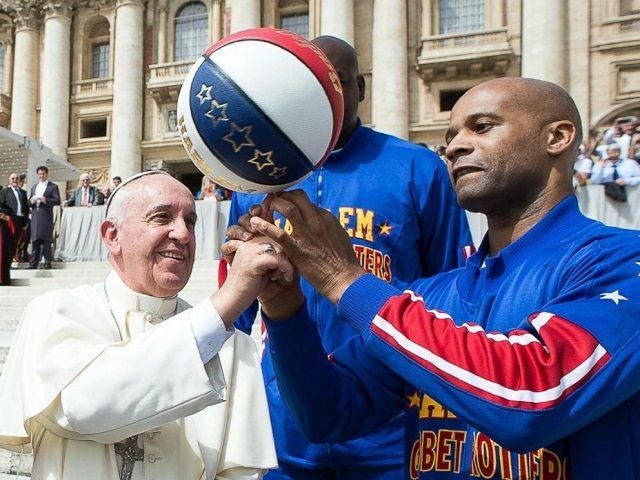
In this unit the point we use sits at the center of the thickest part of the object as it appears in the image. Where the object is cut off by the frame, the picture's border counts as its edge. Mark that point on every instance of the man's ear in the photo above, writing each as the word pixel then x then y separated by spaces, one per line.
pixel 560 137
pixel 361 87
pixel 109 234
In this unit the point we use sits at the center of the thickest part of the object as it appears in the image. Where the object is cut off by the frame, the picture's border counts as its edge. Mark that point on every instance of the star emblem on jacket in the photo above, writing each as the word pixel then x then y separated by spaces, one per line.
pixel 414 400
pixel 614 296
pixel 385 228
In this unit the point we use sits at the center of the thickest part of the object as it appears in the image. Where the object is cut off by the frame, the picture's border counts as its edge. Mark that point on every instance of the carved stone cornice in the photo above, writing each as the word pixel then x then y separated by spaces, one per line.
pixel 137 3
pixel 27 14
pixel 56 8
pixel 96 4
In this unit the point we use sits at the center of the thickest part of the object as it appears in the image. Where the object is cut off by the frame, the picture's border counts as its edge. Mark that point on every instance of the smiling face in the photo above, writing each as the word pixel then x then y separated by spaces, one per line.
pixel 13 180
pixel 155 247
pixel 42 174
pixel 495 146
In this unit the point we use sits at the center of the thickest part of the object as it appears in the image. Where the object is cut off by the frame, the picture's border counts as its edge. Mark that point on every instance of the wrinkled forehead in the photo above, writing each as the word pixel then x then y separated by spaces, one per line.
pixel 150 192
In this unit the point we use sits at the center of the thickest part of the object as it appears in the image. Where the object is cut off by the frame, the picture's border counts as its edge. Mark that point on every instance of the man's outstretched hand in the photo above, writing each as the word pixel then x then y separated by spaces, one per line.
pixel 318 246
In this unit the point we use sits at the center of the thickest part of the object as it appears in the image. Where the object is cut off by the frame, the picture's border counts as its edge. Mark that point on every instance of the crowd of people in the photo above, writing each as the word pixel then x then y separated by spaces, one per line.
pixel 613 160
pixel 28 218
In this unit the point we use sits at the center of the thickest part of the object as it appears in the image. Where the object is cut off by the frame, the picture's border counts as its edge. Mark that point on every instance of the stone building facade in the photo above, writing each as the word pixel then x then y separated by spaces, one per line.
pixel 97 80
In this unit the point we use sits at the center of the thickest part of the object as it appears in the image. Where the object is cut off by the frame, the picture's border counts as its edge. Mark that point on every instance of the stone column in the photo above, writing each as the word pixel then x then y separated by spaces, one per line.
pixel 216 21
pixel 7 80
pixel 390 99
pixel 244 14
pixel 427 18
pixel 54 116
pixel 336 19
pixel 25 74
pixel 162 31
pixel 497 14
pixel 579 62
pixel 543 40
pixel 126 119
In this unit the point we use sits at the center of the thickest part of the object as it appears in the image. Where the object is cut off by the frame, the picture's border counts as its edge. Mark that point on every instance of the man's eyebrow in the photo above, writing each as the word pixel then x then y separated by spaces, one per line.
pixel 158 208
pixel 472 117
pixel 475 116
pixel 163 207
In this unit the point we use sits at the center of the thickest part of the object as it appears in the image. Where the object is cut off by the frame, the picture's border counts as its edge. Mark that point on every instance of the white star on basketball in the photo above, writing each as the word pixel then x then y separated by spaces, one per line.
pixel 205 93
pixel 613 296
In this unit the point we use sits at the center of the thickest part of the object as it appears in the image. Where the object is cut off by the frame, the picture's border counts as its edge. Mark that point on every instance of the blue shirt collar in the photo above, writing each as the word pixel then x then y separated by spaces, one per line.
pixel 561 222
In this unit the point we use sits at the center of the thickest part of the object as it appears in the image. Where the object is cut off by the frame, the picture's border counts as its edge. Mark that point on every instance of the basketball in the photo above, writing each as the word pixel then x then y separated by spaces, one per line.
pixel 260 110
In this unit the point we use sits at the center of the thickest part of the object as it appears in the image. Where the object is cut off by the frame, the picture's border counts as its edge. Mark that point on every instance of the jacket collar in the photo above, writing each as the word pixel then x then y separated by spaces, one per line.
pixel 562 222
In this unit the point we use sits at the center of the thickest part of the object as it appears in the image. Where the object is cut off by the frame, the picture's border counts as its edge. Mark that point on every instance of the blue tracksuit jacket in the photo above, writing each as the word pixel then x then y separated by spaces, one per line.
pixel 396 202
pixel 524 365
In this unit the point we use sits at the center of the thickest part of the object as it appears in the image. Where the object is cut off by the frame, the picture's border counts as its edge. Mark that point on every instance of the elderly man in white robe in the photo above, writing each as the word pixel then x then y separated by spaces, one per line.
pixel 124 380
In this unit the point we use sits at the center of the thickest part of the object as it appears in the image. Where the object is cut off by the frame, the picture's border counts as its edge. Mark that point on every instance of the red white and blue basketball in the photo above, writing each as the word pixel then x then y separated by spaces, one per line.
pixel 260 110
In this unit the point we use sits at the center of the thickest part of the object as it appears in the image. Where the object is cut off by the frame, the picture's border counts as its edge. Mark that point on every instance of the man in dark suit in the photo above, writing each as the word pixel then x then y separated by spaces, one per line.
pixel 85 195
pixel 44 195
pixel 6 245
pixel 13 200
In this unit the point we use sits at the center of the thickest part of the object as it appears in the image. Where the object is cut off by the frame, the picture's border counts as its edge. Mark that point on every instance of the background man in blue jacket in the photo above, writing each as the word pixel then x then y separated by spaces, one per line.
pixel 395 202
pixel 522 364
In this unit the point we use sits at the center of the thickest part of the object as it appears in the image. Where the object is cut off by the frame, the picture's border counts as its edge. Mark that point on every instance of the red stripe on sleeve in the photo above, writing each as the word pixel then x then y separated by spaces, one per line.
pixel 223 271
pixel 518 369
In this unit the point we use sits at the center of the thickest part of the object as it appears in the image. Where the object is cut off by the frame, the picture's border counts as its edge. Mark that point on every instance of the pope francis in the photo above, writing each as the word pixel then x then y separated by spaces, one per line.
pixel 124 380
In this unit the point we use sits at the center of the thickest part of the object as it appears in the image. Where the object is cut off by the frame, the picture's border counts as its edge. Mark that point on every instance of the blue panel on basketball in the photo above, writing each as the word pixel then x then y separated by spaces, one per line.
pixel 259 110
pixel 239 134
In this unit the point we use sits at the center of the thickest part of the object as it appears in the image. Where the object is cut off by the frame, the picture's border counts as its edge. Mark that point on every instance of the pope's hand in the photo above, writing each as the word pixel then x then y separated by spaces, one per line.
pixel 252 269
pixel 243 230
pixel 280 299
pixel 318 246
pixel 281 296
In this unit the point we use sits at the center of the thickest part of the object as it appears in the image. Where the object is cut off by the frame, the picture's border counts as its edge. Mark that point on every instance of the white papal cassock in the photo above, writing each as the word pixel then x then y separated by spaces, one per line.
pixel 93 366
